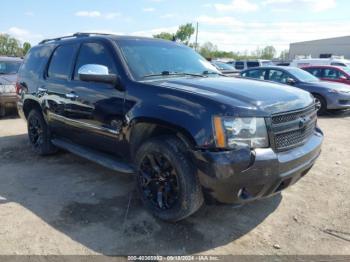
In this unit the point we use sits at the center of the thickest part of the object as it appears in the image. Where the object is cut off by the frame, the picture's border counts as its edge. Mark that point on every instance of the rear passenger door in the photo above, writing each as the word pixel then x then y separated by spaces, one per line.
pixel 56 85
pixel 96 109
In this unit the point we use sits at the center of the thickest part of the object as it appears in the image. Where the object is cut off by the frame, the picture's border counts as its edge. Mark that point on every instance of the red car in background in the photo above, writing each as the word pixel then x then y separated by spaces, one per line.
pixel 330 73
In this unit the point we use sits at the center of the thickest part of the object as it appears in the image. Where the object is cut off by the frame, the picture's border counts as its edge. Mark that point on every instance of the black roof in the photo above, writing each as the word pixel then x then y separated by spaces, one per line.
pixel 99 35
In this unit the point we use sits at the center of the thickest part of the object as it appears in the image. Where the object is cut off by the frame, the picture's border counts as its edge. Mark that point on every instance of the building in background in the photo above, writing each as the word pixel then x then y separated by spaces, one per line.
pixel 323 48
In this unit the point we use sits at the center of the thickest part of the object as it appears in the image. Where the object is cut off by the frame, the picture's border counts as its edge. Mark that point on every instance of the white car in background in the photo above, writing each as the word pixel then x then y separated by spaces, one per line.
pixel 320 62
pixel 245 64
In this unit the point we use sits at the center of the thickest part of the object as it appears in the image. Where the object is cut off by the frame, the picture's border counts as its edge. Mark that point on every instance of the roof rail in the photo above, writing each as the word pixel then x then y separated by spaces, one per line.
pixel 79 34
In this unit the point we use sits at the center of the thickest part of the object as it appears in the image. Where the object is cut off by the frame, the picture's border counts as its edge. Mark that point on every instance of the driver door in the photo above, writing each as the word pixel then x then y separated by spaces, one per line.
pixel 96 109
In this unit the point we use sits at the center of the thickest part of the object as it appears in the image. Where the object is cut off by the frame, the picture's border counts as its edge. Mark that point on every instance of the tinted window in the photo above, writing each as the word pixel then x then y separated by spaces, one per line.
pixel 94 53
pixel 332 73
pixel 258 74
pixel 278 76
pixel 9 67
pixel 315 71
pixel 35 60
pixel 252 64
pixel 239 65
pixel 61 62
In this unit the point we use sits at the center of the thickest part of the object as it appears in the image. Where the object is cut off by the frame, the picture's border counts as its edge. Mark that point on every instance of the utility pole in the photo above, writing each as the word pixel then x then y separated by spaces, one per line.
pixel 196 44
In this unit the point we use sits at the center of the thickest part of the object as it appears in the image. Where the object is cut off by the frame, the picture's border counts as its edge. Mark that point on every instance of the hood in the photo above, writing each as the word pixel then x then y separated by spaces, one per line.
pixel 7 79
pixel 245 93
pixel 329 85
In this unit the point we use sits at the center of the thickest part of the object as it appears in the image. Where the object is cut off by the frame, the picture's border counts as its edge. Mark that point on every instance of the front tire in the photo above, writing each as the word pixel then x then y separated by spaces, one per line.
pixel 166 179
pixel 39 134
pixel 321 104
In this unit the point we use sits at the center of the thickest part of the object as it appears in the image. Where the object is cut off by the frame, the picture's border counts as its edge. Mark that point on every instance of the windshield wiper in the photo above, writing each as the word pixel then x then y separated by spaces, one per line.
pixel 167 73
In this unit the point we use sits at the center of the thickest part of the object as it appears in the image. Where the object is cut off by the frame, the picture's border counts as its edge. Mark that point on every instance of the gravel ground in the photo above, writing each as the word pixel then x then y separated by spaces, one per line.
pixel 66 205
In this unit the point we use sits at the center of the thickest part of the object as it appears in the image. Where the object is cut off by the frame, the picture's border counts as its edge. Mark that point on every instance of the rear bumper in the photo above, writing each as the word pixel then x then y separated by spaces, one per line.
pixel 237 177
pixel 8 100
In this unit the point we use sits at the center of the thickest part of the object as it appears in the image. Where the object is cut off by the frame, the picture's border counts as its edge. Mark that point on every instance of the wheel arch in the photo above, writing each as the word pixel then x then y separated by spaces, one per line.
pixel 30 104
pixel 144 128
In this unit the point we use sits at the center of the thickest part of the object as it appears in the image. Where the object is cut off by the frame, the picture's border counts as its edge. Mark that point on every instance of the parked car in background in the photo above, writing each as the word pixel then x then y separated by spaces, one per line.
pixel 242 65
pixel 320 61
pixel 225 68
pixel 328 96
pixel 159 110
pixel 330 73
pixel 8 74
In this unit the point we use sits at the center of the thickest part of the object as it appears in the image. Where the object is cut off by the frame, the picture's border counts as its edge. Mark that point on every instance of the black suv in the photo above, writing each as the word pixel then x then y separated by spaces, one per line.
pixel 159 110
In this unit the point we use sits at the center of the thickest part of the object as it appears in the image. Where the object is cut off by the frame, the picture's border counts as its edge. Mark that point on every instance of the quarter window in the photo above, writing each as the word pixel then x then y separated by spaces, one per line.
pixel 94 53
pixel 61 62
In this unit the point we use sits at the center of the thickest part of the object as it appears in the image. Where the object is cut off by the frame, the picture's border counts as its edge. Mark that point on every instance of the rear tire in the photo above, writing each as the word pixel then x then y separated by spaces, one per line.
pixel 39 134
pixel 321 104
pixel 166 179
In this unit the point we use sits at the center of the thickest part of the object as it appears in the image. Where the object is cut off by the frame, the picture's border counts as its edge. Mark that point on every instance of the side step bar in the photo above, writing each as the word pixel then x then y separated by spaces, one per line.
pixel 94 156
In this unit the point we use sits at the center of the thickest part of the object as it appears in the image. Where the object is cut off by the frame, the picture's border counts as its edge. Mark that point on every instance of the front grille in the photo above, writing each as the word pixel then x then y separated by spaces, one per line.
pixel 293 129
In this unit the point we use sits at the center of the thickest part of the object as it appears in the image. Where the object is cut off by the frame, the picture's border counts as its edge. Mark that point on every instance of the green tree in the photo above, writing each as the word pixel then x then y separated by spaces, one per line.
pixel 284 55
pixel 183 34
pixel 164 35
pixel 10 46
pixel 208 50
pixel 25 48
pixel 268 52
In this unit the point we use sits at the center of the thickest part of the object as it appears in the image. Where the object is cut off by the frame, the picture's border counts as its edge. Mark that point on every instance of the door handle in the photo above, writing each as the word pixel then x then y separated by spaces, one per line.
pixel 71 96
pixel 42 90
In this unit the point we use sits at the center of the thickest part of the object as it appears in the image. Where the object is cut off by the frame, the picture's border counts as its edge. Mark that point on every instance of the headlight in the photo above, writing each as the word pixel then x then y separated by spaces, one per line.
pixel 7 89
pixel 231 132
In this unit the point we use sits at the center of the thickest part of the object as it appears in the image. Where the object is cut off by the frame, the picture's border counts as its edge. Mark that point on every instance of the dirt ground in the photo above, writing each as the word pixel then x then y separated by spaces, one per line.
pixel 66 205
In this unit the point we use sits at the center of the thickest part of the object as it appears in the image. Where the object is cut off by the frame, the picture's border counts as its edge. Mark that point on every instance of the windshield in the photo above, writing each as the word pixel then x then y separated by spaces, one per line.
pixel 9 68
pixel 302 75
pixel 223 66
pixel 159 59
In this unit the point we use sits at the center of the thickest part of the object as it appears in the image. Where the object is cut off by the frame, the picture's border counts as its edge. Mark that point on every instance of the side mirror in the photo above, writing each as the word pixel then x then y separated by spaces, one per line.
pixel 98 73
pixel 343 78
pixel 291 81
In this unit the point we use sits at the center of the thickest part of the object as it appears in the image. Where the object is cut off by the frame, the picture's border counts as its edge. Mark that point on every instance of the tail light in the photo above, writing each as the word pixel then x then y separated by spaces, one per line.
pixel 18 87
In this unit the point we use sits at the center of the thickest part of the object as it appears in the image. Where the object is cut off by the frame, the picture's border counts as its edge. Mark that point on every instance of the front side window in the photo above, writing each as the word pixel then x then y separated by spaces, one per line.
pixel 61 62
pixel 94 53
pixel 278 76
pixel 332 73
pixel 148 59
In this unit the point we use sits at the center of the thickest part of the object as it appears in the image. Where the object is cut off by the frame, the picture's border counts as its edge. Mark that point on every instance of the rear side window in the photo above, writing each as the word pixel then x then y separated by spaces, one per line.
pixel 314 71
pixel 252 64
pixel 35 60
pixel 258 74
pixel 61 62
pixel 94 53
pixel 239 65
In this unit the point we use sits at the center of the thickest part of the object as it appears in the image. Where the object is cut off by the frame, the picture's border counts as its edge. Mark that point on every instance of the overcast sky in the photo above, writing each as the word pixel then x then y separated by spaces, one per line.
pixel 233 25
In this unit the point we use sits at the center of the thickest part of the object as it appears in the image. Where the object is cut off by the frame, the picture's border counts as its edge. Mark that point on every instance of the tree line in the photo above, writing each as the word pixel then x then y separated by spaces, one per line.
pixel 211 51
pixel 10 46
